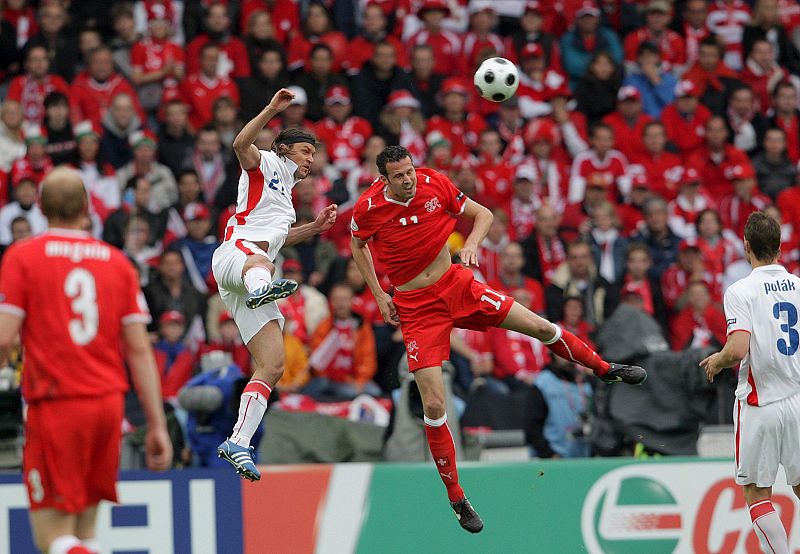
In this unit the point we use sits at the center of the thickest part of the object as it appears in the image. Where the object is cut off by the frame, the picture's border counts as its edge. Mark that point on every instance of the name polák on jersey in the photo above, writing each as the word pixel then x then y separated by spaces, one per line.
pixel 779 285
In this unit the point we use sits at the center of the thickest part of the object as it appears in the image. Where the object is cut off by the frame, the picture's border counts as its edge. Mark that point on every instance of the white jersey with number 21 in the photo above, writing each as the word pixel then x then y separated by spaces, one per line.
pixel 766 304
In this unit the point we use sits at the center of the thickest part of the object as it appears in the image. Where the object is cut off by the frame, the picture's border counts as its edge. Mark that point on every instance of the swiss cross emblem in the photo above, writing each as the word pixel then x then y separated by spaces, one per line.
pixel 411 346
pixel 443 462
pixel 432 204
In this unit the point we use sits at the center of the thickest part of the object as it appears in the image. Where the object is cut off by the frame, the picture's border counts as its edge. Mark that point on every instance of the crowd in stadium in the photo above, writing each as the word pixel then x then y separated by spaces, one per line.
pixel 642 135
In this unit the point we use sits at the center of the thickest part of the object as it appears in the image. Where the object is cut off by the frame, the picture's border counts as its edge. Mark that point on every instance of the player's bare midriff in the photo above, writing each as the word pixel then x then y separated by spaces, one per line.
pixel 430 274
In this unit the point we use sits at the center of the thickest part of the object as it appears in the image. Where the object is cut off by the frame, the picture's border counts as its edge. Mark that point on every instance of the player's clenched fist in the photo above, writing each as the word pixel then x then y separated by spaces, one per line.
pixel 388 310
pixel 158 449
pixel 281 100
pixel 326 218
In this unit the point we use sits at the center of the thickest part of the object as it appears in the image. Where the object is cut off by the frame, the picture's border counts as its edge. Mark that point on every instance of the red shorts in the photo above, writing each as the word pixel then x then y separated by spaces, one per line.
pixel 427 315
pixel 71 455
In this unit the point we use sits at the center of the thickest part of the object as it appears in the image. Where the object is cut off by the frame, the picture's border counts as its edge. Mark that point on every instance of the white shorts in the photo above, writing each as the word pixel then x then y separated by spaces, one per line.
pixel 766 436
pixel 227 265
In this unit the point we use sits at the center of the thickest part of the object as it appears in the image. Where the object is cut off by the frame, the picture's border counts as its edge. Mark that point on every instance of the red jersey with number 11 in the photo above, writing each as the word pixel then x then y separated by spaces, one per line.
pixel 407 236
pixel 75 294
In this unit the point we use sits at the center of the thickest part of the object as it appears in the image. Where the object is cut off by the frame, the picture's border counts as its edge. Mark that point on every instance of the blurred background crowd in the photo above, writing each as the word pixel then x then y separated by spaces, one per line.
pixel 642 135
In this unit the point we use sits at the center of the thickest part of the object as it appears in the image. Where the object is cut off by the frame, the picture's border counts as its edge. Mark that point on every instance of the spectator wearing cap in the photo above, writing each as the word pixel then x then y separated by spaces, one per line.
pixel 12 143
pixel 164 190
pixel 774 171
pixel 136 201
pixel 688 267
pixel 425 82
pixel 374 29
pixel 718 247
pixel 637 280
pixel 657 235
pixel 538 83
pixel 401 122
pixel 269 76
pixel 31 88
pixel 316 28
pixel 601 165
pixel 36 162
pixel 218 175
pixel 690 202
pixel 662 169
pixel 24 205
pixel 480 38
pixel 175 142
pixel 685 119
pixel 457 126
pixel 521 207
pixel 669 44
pixel 174 360
pixel 56 35
pixel 344 134
pixel 118 124
pixel 712 78
pixel 259 37
pixel 98 176
pixel 700 324
pixel 61 146
pixel 579 44
pixel 578 277
pixel 607 244
pixel 157 63
pixel 169 289
pixel 531 30
pixel 727 18
pixel 767 25
pixel 715 159
pixel 198 246
pixel 446 44
pixel 233 61
pixel 317 77
pixel 378 78
pixel 293 117
pixel 762 73
pixel 92 91
pixel 744 200
pixel 596 92
pixel 307 308
pixel 786 116
pixel 628 122
pixel 649 75
pixel 199 90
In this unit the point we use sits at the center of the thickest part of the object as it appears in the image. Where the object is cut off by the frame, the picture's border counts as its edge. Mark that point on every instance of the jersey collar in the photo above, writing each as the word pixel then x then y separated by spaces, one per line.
pixel 61 232
pixel 770 267
pixel 393 201
pixel 292 167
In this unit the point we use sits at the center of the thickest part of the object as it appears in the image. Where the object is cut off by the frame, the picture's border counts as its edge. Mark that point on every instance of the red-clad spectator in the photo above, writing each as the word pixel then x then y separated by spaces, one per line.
pixel 494 173
pixel 31 88
pixel 97 175
pixel 36 162
pixel 685 208
pixel 459 127
pixel 663 169
pixel 572 125
pixel 574 320
pixel 22 18
pixel 446 44
pixel 550 175
pixel 531 31
pixel 628 122
pixel 344 134
pixel 716 247
pixel 307 308
pixel 657 17
pixel 200 90
pixel 577 215
pixel 157 64
pixel 601 165
pixel 92 91
pixel 293 117
pixel 374 29
pixel 510 278
pixel 637 280
pixel 543 249
pixel 493 245
pixel 786 116
pixel 233 60
pixel 693 28
pixel 174 360
pixel 789 12
pixel 700 324
pixel 689 267
pixel 685 119
pixel 763 73
pixel 790 241
pixel 715 160
pixel 230 341
pixel 480 38
pixel 631 212
pixel 317 28
pixel 744 200
pixel 746 123
pixel 524 203
pixel 285 16
pixel 727 18
pixel 712 78
pixel 404 124
pixel 537 82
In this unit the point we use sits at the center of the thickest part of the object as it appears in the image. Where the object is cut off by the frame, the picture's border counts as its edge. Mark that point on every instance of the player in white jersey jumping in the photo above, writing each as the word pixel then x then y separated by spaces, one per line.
pixel 243 265
pixel 764 337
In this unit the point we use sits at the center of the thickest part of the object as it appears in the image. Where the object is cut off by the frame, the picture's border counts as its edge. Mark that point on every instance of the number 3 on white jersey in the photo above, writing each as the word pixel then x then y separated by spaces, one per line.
pixel 80 287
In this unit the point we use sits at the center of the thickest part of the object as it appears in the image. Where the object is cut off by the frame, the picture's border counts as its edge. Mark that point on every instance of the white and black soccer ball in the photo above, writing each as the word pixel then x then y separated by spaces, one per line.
pixel 497 79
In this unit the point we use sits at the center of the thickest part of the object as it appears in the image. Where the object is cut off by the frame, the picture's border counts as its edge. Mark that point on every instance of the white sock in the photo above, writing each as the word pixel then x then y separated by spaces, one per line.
pixel 92 545
pixel 435 422
pixel 257 277
pixel 252 406
pixel 63 544
pixel 555 338
pixel 768 528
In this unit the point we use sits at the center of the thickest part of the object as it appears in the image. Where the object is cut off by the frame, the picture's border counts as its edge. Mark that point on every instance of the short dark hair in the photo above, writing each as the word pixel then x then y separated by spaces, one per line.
pixel 291 136
pixel 391 154
pixel 638 247
pixel 764 236
pixel 648 46
pixel 598 126
pixel 782 85
pixel 187 171
pixel 54 98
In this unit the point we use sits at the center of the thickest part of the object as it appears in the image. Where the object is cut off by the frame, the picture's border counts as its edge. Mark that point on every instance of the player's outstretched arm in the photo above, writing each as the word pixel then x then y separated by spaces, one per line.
pixel 732 353
pixel 325 220
pixel 363 259
pixel 246 151
pixel 482 221
pixel 142 363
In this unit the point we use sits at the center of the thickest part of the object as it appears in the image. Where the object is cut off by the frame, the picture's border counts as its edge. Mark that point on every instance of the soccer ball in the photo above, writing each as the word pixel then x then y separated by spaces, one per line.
pixel 497 79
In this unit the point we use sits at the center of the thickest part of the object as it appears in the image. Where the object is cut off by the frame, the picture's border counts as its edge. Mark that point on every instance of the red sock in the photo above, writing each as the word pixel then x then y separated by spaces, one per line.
pixel 570 347
pixel 443 450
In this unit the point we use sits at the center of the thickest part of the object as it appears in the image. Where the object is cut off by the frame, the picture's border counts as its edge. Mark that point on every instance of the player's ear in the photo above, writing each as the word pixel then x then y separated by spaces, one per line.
pixel 384 180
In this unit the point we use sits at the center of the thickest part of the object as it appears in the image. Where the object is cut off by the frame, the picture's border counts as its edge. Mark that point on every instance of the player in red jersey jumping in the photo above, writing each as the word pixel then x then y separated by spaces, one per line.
pixel 409 213
pixel 74 298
